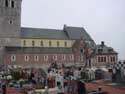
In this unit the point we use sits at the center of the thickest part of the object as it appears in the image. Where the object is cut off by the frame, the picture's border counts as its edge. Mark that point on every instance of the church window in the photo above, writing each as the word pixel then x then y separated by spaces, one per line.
pixel 65 44
pixel 55 57
pixel 33 43
pixel 6 3
pixel 13 58
pixel 63 57
pixel 24 42
pixel 50 44
pixel 26 58
pixel 36 58
pixel 57 43
pixel 41 43
pixel 46 58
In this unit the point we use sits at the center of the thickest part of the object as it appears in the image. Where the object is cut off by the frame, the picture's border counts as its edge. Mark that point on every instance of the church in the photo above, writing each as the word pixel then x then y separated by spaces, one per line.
pixel 26 46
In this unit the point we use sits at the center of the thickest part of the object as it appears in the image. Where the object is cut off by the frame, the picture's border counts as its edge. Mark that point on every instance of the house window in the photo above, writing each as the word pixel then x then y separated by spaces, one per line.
pixel 33 43
pixel 50 44
pixel 41 43
pixel 13 58
pixel 99 59
pixel 65 44
pixel 24 42
pixel 104 59
pixel 26 58
pixel 12 4
pixel 113 59
pixel 36 58
pixel 100 50
pixel 57 43
pixel 6 3
pixel 55 57
pixel 46 58
pixel 63 57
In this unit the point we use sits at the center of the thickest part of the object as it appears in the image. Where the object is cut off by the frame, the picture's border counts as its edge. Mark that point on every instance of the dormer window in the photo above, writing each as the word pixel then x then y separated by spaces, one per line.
pixel 110 50
pixel 100 50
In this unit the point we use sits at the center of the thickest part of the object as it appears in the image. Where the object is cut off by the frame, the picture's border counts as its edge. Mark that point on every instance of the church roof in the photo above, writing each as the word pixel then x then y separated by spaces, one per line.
pixel 42 33
pixel 68 32
pixel 77 33
pixel 38 50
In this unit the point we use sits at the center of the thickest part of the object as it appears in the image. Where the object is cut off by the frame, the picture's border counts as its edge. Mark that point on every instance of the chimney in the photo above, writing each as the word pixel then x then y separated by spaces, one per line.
pixel 65 25
pixel 64 28
pixel 102 43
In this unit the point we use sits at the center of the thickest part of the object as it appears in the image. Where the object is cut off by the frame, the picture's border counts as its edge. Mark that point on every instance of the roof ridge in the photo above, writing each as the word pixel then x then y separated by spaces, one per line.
pixel 41 28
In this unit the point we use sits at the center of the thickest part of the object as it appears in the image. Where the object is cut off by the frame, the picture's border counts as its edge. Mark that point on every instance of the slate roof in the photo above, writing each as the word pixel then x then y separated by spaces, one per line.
pixel 68 32
pixel 38 50
pixel 103 49
pixel 42 33
pixel 77 33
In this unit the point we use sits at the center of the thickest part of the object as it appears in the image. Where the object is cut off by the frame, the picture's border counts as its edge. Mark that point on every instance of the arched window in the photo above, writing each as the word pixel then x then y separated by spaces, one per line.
pixel 63 57
pixel 26 58
pixel 41 43
pixel 55 57
pixel 6 3
pixel 33 43
pixel 50 44
pixel 24 43
pixel 12 4
pixel 46 58
pixel 36 58
pixel 13 58
pixel 57 43
pixel 65 44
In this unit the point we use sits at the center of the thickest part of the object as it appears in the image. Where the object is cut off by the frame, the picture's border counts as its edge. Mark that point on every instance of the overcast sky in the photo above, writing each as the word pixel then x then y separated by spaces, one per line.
pixel 104 20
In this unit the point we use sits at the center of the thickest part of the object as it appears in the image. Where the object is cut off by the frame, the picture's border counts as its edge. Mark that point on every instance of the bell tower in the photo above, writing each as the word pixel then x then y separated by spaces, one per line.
pixel 10 22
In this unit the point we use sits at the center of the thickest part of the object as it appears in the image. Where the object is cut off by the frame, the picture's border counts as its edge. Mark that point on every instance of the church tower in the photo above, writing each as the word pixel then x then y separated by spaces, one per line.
pixel 10 22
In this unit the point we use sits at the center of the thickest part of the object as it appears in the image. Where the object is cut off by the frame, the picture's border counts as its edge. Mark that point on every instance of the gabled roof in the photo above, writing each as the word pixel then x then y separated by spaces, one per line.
pixel 42 33
pixel 77 33
pixel 71 33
